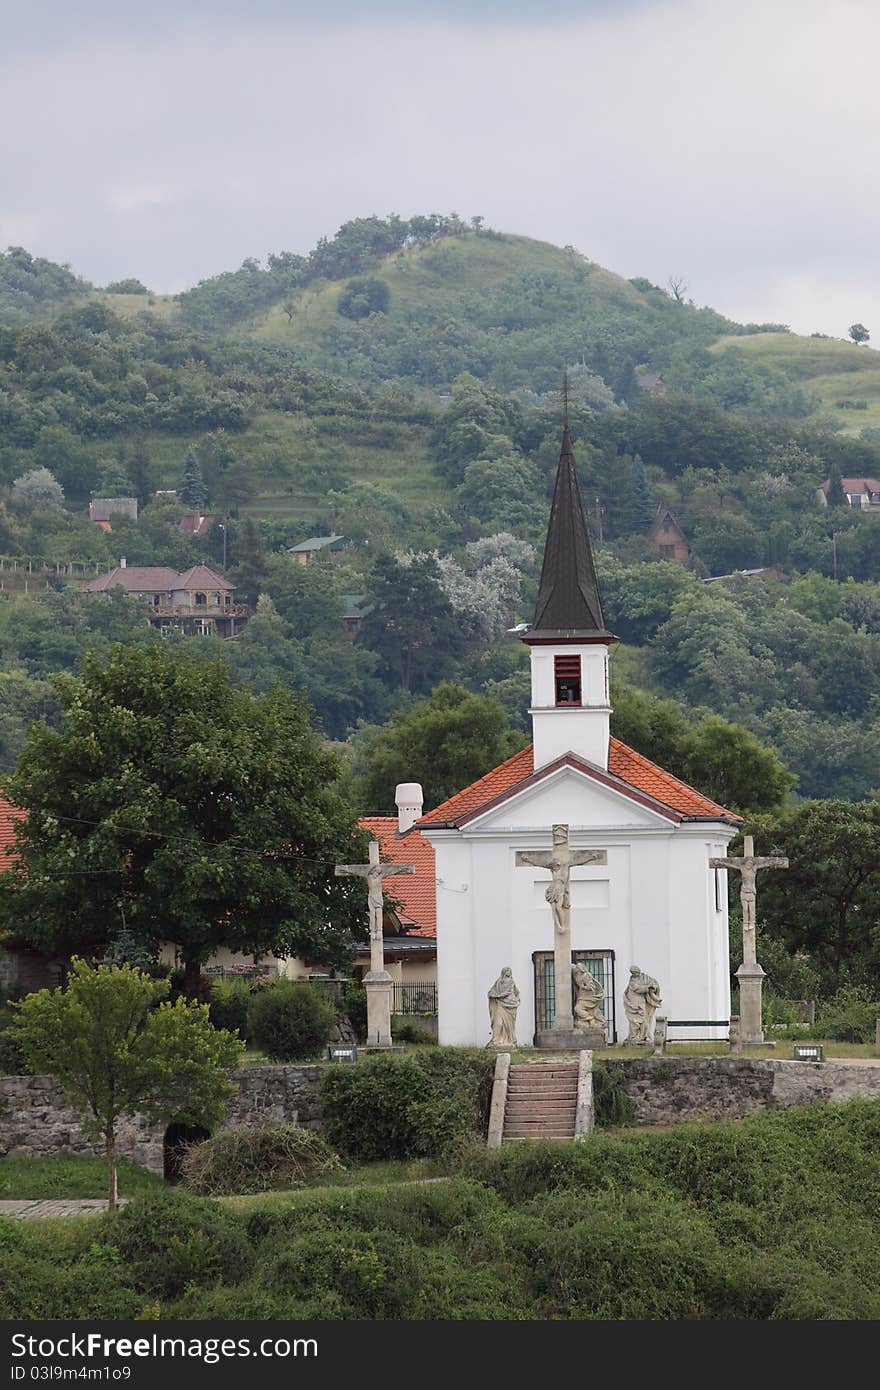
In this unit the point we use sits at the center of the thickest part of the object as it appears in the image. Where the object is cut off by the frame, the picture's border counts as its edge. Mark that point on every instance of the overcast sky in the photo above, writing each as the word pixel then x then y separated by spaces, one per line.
pixel 734 143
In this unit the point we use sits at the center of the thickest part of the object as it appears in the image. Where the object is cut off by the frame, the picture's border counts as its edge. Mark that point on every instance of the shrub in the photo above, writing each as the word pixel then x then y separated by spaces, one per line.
pixel 172 1240
pixel 850 1015
pixel 290 1022
pixel 363 297
pixel 414 1105
pixel 256 1159
pixel 229 1005
pixel 372 1274
pixel 12 1060
pixel 611 1102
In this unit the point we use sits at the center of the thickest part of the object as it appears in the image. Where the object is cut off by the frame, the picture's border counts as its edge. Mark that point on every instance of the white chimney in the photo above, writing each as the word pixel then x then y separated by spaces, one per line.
pixel 409 798
pixel 122 562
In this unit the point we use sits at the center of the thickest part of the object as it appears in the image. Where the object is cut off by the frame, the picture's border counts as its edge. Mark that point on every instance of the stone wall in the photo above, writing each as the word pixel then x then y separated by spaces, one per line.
pixel 669 1090
pixel 36 1121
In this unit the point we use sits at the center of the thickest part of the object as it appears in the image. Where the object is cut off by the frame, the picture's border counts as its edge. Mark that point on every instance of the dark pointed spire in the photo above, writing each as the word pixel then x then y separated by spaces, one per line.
pixel 568 594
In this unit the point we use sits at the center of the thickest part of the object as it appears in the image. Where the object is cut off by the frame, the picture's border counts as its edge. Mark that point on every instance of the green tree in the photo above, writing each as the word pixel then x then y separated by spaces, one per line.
pixel 411 625
pixel 191 489
pixel 445 742
pixel 827 903
pixel 363 297
pixel 836 497
pixel 38 489
pixel 858 332
pixel 116 1054
pixel 178 805
pixel 729 764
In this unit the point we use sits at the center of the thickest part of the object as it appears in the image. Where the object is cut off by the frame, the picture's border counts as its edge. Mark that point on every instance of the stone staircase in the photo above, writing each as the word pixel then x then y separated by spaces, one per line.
pixel 541 1101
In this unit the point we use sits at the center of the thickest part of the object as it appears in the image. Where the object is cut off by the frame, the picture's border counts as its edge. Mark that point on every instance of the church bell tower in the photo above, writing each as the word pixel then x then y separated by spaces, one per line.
pixel 568 641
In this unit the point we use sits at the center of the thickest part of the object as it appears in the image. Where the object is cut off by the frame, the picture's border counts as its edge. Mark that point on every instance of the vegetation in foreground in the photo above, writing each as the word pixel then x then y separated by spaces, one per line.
pixel 773 1217
pixel 70 1177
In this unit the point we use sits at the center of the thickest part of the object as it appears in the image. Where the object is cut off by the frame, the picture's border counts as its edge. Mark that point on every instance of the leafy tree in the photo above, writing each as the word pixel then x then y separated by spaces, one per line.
pixel 363 297
pixel 176 804
pixel 250 571
pixel 38 489
pixel 858 332
pixel 129 286
pixel 192 490
pixel 115 1054
pixel 729 764
pixel 836 497
pixel 827 902
pixel 445 742
pixel 411 626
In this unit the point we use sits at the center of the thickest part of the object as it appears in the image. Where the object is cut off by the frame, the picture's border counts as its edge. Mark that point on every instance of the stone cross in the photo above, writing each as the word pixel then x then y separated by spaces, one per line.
pixel 560 861
pixel 377 982
pixel 750 974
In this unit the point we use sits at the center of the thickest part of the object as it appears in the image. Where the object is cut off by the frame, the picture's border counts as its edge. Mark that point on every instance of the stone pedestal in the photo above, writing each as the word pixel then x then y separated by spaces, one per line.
pixel 380 993
pixel 570 1039
pixel 751 983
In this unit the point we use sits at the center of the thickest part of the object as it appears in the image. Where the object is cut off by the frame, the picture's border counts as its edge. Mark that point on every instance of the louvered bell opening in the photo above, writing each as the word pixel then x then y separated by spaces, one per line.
pixel 568 680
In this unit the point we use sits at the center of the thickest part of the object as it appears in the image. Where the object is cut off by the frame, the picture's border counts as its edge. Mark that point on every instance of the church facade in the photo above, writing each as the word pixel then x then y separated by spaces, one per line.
pixel 651 900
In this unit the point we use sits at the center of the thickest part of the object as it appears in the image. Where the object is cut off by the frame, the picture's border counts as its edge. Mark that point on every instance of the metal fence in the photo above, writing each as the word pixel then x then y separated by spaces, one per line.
pixel 415 999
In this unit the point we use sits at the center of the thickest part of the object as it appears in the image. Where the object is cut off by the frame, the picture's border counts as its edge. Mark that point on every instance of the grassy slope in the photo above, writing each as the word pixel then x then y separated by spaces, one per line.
pixel 831 369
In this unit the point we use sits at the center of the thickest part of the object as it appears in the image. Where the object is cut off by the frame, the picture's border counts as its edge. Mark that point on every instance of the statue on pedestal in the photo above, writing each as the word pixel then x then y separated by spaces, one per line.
pixel 589 996
pixel 640 1001
pixel 503 1004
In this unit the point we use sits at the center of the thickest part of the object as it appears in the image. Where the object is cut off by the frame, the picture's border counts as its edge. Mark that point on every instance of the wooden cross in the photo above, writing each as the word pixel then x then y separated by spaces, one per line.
pixel 748 868
pixel 374 872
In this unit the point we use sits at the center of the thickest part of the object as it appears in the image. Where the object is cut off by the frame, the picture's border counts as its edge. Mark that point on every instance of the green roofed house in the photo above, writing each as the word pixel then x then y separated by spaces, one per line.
pixel 307 550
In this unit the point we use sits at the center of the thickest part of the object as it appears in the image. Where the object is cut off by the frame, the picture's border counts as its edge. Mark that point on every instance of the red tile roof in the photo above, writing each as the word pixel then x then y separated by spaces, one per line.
pixel 196 523
pixel 854 485
pixel 138 579
pixel 416 893
pixel 9 817
pixel 628 770
pixel 200 577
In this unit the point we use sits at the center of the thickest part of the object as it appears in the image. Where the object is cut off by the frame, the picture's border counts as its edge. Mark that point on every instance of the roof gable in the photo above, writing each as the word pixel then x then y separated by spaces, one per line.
pixel 628 772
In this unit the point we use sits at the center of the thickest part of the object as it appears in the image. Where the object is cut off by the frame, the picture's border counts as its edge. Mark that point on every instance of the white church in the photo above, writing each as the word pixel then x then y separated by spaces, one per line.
pixel 654 902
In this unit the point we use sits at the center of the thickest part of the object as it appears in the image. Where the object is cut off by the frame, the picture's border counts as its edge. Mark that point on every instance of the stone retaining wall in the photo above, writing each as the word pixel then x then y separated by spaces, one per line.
pixel 669 1090
pixel 36 1121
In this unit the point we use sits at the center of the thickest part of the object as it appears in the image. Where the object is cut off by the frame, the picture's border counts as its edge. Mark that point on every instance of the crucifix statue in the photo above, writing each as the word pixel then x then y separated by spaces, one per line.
pixel 377 982
pixel 750 974
pixel 560 861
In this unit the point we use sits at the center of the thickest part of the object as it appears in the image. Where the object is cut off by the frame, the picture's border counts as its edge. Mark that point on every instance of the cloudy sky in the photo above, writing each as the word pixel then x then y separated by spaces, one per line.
pixel 734 143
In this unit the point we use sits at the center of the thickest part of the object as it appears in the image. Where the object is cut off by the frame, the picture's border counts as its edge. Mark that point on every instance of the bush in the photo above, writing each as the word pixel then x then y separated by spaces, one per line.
pixel 229 1006
pixel 172 1240
pixel 611 1102
pixel 12 1060
pixel 256 1159
pixel 363 297
pixel 290 1022
pixel 415 1105
pixel 850 1015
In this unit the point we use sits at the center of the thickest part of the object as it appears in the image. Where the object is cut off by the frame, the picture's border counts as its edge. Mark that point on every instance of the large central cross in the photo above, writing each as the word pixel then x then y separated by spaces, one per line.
pixel 750 974
pixel 378 982
pixel 560 861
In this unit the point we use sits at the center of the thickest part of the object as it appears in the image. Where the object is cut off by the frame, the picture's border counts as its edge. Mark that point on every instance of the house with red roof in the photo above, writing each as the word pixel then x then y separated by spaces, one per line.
pixel 649 898
pixel 199 602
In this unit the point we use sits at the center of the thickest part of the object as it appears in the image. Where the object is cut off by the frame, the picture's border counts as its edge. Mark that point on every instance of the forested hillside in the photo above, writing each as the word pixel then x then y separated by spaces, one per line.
pixel 400 385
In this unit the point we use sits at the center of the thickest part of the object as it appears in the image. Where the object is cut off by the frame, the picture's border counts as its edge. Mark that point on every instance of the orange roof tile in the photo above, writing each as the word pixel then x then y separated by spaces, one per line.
pixel 638 774
pixel 416 893
pixel 9 817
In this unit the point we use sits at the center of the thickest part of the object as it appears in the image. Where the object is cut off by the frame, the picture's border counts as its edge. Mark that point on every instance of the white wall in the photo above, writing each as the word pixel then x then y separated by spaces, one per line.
pixel 583 728
pixel 653 905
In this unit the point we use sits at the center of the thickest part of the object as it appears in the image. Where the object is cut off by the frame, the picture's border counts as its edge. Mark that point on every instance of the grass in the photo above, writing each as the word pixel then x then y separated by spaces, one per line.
pixel 373 1176
pixel 832 370
pixel 32 1179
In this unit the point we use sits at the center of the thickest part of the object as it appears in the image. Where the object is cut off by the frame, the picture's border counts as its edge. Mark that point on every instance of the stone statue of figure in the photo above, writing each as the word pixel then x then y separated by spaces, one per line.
pixel 503 1004
pixel 589 996
pixel 640 1001
pixel 560 861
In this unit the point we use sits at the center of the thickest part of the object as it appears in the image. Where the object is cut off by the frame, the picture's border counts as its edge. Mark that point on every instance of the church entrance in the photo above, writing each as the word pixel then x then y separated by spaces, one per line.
pixel 600 965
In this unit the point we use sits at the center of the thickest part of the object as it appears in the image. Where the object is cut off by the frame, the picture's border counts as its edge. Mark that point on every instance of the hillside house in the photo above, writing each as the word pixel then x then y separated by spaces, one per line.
pixel 101 509
pixel 309 550
pixel 861 493
pixel 194 524
pixel 199 602
pixel 667 537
